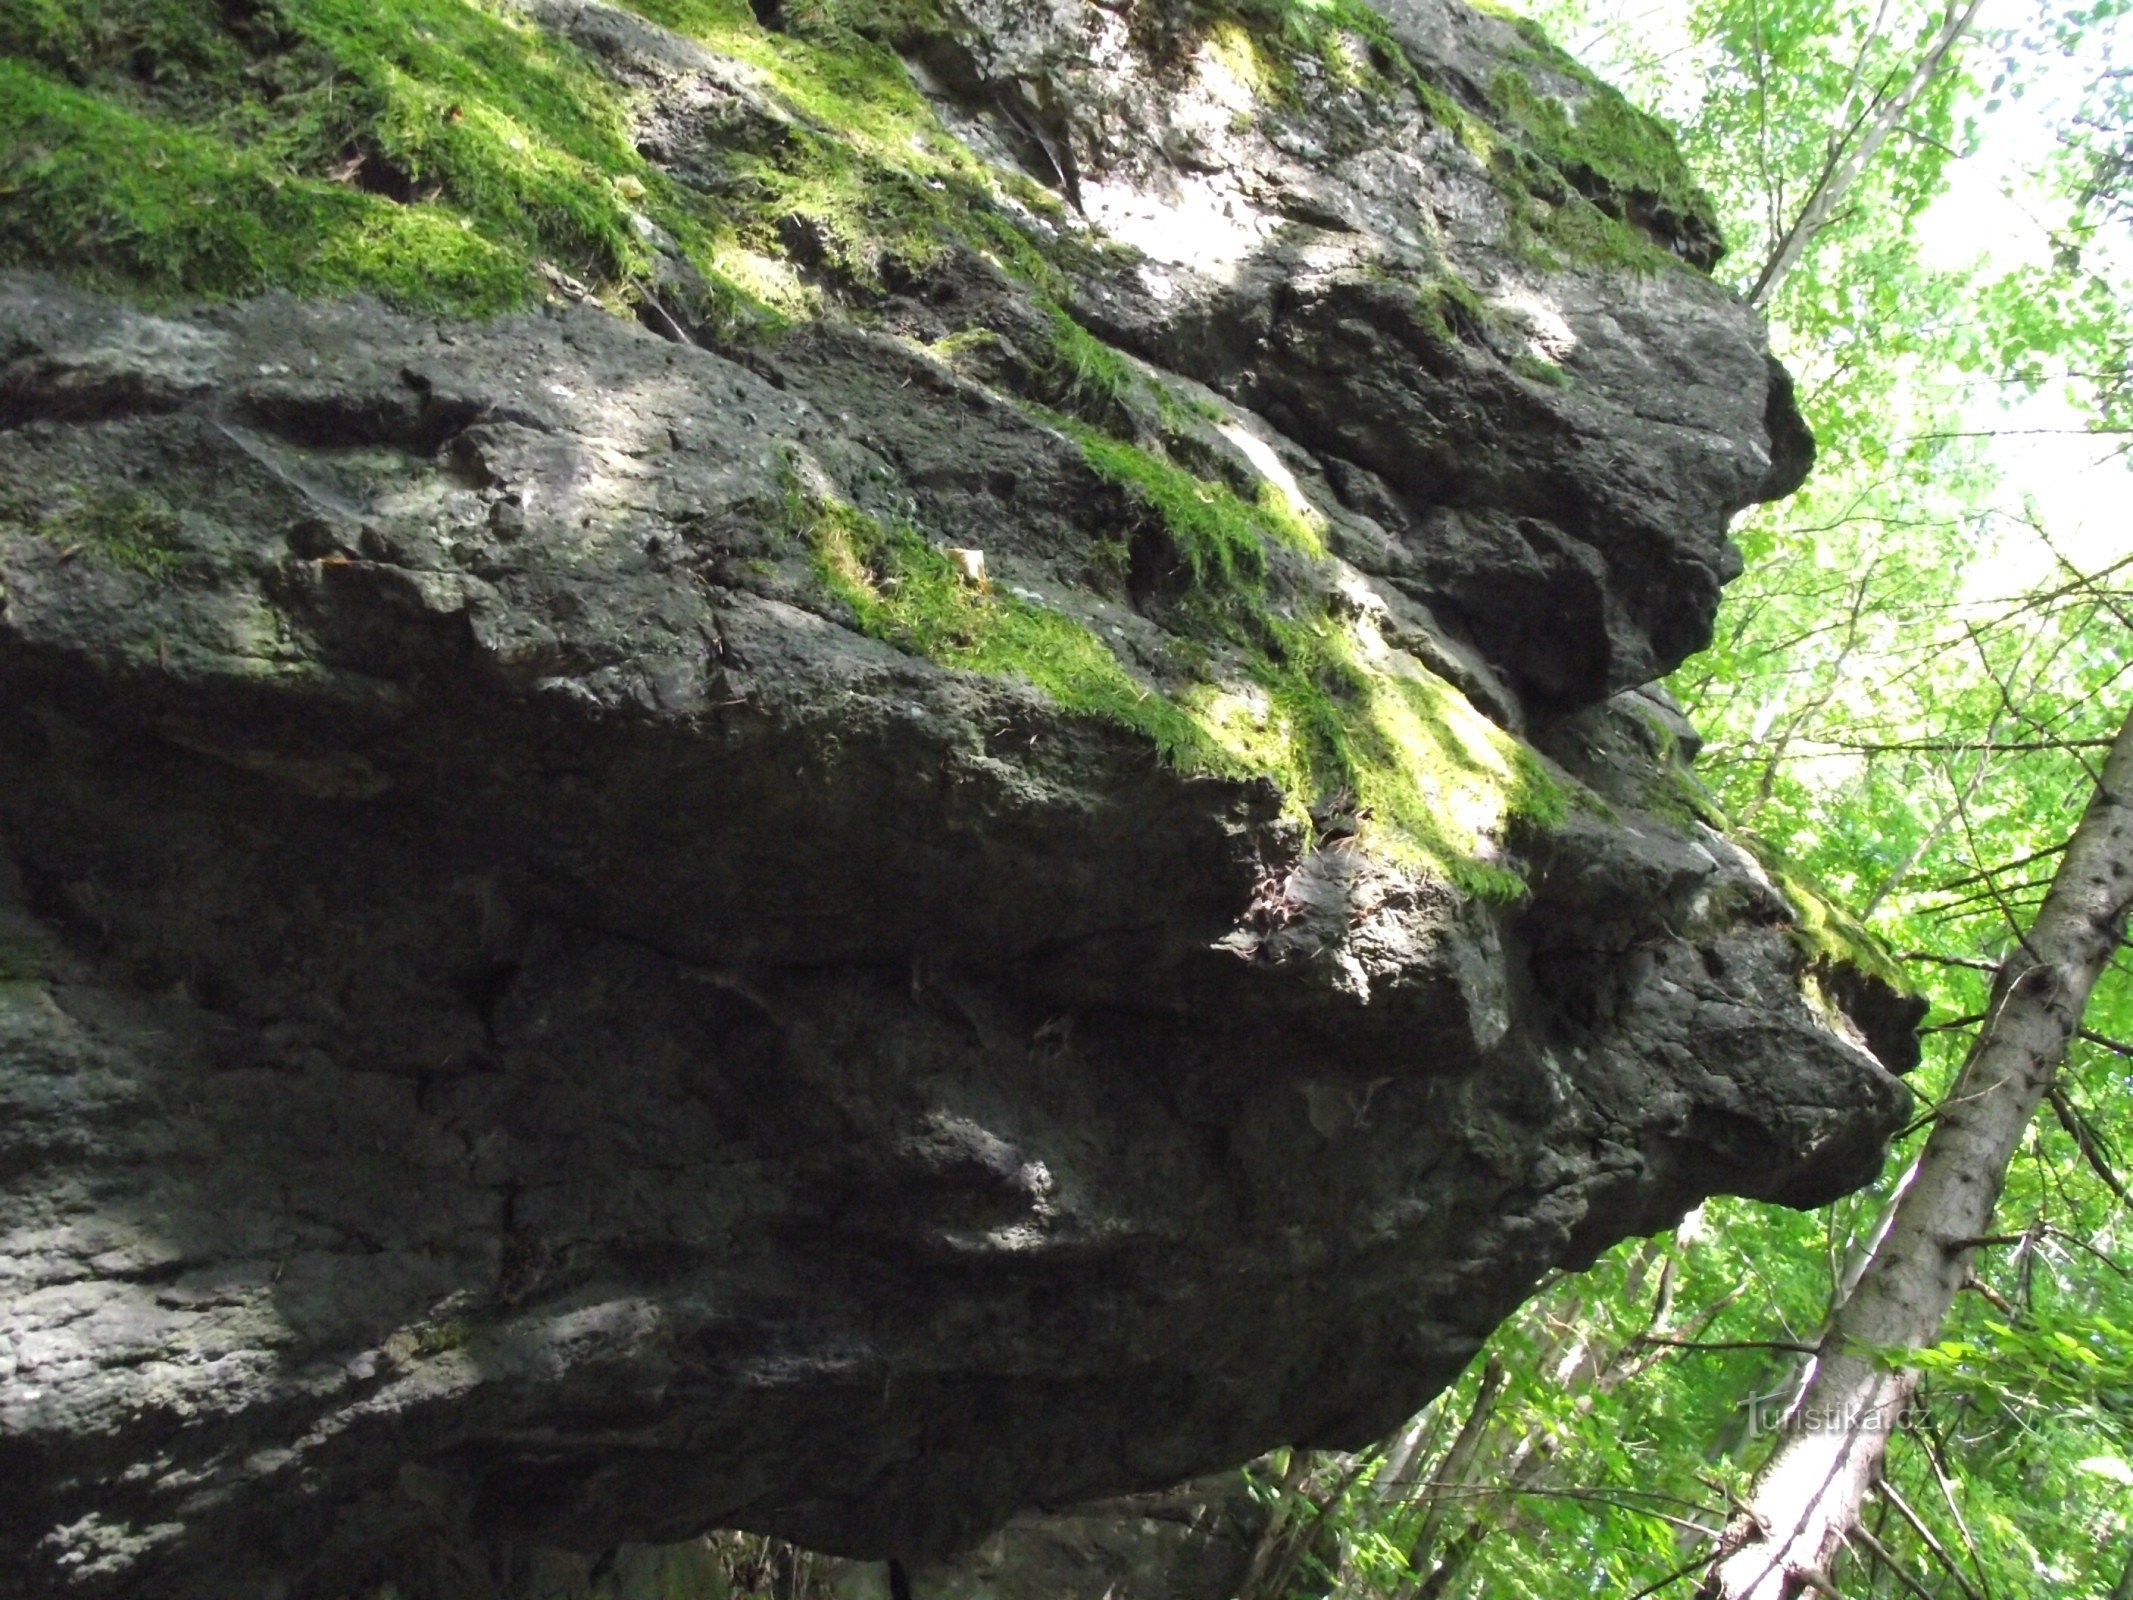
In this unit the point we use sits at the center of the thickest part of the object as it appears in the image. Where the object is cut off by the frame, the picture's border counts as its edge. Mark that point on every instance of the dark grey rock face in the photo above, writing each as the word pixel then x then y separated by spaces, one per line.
pixel 520 1027
pixel 1550 457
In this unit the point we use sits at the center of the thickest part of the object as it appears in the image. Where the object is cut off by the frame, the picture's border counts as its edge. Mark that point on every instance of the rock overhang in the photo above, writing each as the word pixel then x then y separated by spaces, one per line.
pixel 588 984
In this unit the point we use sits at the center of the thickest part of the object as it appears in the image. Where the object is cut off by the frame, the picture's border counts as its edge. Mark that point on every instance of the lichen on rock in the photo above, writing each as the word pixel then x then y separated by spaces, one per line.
pixel 833 767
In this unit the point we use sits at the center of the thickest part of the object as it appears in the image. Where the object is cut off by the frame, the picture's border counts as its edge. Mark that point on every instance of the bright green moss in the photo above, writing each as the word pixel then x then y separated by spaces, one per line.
pixel 1350 40
pixel 1452 310
pixel 1082 368
pixel 137 533
pixel 1218 538
pixel 904 590
pixel 1291 518
pixel 1822 928
pixel 1543 155
pixel 515 131
pixel 865 164
pixel 1578 230
pixel 1621 145
pixel 1473 134
pixel 1538 369
pixel 430 150
pixel 124 199
pixel 1261 73
pixel 448 154
pixel 1321 706
pixel 1326 710
pixel 1606 146
pixel 1083 376
pixel 1535 36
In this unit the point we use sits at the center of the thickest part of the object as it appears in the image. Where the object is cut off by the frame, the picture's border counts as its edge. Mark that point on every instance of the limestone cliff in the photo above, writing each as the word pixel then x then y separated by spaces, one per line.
pixel 835 769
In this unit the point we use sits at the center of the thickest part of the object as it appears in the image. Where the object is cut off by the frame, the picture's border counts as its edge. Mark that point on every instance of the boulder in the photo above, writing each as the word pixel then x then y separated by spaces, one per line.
pixel 574 970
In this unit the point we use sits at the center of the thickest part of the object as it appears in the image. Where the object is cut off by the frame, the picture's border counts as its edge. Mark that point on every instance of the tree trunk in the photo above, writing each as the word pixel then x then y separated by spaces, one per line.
pixel 1829 1449
pixel 1778 1392
pixel 1458 1462
pixel 1288 1496
pixel 1410 1444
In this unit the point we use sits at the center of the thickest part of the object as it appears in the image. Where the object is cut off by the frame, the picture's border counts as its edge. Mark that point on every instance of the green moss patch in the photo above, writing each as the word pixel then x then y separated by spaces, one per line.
pixel 1327 711
pixel 1605 135
pixel 1822 928
pixel 1320 705
pixel 1585 182
pixel 1620 164
pixel 1077 373
pixel 135 532
pixel 1452 311
pixel 1219 538
pixel 864 167
pixel 449 155
pixel 1540 370
pixel 1259 40
pixel 1086 374
pixel 907 591
pixel 124 199
pixel 431 151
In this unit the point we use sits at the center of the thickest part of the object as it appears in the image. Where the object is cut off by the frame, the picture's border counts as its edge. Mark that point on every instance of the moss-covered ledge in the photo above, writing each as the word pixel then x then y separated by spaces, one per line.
pixel 455 156
pixel 1306 692
pixel 451 155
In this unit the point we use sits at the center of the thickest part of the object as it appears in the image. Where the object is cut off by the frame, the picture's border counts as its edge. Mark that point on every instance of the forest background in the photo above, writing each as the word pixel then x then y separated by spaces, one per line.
pixel 1910 699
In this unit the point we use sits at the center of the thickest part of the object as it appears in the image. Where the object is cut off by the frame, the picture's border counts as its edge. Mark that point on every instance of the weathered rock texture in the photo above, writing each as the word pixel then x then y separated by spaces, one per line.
pixel 523 1025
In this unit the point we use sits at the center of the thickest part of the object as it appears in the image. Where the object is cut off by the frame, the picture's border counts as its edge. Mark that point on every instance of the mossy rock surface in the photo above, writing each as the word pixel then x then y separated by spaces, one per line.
pixel 602 874
pixel 946 176
pixel 479 154
pixel 835 712
pixel 465 155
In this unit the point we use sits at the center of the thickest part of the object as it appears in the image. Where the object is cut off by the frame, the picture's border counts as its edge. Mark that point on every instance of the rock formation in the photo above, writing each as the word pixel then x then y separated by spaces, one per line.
pixel 1004 849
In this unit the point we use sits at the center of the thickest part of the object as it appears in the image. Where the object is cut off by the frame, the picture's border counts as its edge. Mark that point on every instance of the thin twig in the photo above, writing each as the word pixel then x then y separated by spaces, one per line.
pixel 1793 1345
pixel 1881 1553
pixel 1925 1535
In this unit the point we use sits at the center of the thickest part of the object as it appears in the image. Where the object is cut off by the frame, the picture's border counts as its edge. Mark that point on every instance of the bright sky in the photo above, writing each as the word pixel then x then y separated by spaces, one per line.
pixel 2080 485
pixel 1991 214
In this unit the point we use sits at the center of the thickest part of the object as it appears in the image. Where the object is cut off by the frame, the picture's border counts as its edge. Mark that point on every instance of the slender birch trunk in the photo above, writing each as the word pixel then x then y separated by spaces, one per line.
pixel 1849 155
pixel 1457 1470
pixel 1807 1496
